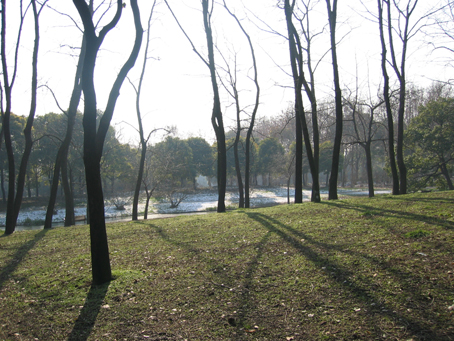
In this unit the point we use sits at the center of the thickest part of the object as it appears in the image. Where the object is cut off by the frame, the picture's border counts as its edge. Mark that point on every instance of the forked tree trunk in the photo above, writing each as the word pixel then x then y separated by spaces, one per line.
pixel 94 138
pixel 62 154
pixel 392 157
pixel 216 117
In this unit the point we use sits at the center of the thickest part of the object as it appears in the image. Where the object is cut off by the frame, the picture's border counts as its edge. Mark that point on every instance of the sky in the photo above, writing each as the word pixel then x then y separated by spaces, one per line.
pixel 177 88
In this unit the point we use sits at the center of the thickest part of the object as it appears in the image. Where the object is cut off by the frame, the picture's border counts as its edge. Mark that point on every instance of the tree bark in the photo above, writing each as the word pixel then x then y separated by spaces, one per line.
pixel 332 17
pixel 216 117
pixel 247 171
pixel 392 157
pixel 302 131
pixel 93 138
pixel 370 177
pixel 62 154
pixel 10 223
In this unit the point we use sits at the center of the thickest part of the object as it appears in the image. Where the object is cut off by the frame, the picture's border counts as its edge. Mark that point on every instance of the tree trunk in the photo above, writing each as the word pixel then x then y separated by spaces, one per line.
pixel 135 203
pixel 302 131
pixel 93 138
pixel 62 154
pixel 370 177
pixel 28 127
pixel 2 180
pixel 10 224
pixel 238 169
pixel 216 117
pixel 247 170
pixel 392 157
pixel 70 217
pixel 445 172
pixel 332 17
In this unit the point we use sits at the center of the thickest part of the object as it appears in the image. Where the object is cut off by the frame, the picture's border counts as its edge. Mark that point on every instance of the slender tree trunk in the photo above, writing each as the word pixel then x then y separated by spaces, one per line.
pixel 216 118
pixel 332 17
pixel 445 172
pixel 28 127
pixel 70 217
pixel 62 154
pixel 247 171
pixel 392 157
pixel 143 141
pixel 2 179
pixel 135 203
pixel 370 177
pixel 10 223
pixel 400 140
pixel 93 138
pixel 238 168
pixel 302 131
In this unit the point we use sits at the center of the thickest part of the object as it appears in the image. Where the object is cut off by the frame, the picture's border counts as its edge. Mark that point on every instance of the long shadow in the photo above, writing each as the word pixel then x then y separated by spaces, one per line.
pixel 388 213
pixel 17 258
pixel 342 274
pixel 88 314
pixel 245 303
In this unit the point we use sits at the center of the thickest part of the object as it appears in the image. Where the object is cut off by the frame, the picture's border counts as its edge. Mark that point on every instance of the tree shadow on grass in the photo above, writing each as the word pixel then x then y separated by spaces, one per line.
pixel 364 209
pixel 343 274
pixel 17 258
pixel 244 302
pixel 88 314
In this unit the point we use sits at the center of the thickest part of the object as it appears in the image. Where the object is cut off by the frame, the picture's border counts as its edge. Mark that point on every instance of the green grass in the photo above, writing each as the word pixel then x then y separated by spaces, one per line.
pixel 364 269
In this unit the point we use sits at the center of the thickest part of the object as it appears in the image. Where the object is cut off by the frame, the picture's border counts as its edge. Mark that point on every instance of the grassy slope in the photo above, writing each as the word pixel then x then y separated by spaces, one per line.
pixel 367 269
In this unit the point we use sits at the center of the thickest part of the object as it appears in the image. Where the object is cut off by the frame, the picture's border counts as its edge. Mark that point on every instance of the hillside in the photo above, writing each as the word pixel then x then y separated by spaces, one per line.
pixel 364 269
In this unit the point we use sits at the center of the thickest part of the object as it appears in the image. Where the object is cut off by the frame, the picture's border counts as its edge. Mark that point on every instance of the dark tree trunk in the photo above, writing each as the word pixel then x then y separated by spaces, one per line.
pixel 302 131
pixel 62 154
pixel 392 157
pixel 70 218
pixel 237 167
pixel 247 171
pixel 143 141
pixel 216 117
pixel 2 179
pixel 445 172
pixel 94 139
pixel 135 203
pixel 332 17
pixel 28 128
pixel 370 177
pixel 10 225
pixel 400 139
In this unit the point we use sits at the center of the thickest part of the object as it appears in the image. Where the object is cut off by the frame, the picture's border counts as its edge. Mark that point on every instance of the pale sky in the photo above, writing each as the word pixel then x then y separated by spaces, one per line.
pixel 177 88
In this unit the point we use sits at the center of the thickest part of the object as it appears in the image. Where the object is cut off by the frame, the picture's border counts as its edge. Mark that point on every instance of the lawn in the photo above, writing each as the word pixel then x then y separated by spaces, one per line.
pixel 352 269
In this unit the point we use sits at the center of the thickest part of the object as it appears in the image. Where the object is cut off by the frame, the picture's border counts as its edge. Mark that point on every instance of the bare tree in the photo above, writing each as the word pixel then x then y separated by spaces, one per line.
pixel 250 128
pixel 332 19
pixel 364 129
pixel 15 197
pixel 61 161
pixel 94 137
pixel 143 140
pixel 216 116
pixel 403 29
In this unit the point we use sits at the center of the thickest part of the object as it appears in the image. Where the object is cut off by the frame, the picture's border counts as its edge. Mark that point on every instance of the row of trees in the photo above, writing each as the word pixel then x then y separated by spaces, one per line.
pixel 351 117
pixel 175 163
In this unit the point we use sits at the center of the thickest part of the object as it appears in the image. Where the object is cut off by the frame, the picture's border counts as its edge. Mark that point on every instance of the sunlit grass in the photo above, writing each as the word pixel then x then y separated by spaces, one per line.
pixel 360 268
